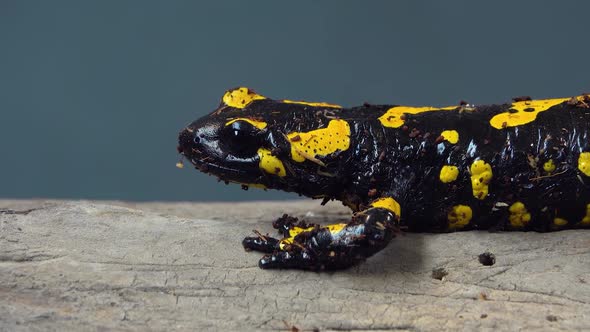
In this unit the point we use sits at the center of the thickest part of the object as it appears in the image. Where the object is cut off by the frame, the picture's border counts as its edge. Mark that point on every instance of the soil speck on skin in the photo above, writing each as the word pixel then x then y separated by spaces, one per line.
pixel 487 258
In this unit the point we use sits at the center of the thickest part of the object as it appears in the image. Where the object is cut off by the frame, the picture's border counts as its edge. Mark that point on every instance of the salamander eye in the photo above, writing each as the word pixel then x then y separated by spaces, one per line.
pixel 241 138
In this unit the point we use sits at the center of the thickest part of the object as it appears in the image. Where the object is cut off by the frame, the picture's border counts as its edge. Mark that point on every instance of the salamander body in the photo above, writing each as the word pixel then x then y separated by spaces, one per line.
pixel 523 165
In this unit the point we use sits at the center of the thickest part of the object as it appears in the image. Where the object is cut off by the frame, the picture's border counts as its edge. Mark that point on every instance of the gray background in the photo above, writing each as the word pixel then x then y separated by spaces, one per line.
pixel 93 93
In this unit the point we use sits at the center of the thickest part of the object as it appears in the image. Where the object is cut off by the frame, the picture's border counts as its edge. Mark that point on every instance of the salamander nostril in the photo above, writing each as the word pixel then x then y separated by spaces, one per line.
pixel 186 140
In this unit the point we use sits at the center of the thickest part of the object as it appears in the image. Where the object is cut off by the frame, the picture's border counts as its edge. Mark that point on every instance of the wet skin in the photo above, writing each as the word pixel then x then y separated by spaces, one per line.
pixel 523 165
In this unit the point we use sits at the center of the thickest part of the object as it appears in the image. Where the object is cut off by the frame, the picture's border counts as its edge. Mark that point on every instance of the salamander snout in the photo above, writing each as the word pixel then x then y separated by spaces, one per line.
pixel 188 142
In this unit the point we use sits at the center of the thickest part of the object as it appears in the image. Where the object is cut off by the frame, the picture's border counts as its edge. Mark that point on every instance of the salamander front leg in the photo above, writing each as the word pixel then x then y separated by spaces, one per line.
pixel 287 226
pixel 337 246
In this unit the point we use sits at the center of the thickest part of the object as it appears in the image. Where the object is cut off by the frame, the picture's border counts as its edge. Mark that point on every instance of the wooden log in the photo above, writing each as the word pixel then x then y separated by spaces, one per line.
pixel 71 265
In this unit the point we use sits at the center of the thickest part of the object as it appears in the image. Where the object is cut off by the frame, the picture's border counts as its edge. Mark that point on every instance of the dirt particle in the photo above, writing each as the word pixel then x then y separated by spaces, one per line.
pixel 551 318
pixel 290 327
pixel 439 273
pixel 522 98
pixel 487 259
pixel 415 132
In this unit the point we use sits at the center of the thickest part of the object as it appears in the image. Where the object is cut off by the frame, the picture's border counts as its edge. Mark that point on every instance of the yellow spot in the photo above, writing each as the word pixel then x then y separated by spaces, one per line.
pixel 481 175
pixel 549 166
pixel 448 173
pixel 257 124
pixel 389 204
pixel 559 222
pixel 270 164
pixel 293 232
pixel 584 163
pixel 393 118
pixel 452 136
pixel 312 104
pixel 526 112
pixel 320 142
pixel 240 97
pixel 459 216
pixel 519 216
pixel 253 185
pixel 586 220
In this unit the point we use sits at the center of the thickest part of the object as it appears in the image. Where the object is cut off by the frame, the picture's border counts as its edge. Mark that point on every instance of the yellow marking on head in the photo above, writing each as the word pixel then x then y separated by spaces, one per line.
pixel 519 216
pixel 257 124
pixel 559 221
pixel 549 166
pixel 584 163
pixel 293 232
pixel 526 112
pixel 240 97
pixel 389 204
pixel 481 175
pixel 448 173
pixel 270 164
pixel 459 216
pixel 586 220
pixel 320 104
pixel 393 118
pixel 320 142
pixel 452 136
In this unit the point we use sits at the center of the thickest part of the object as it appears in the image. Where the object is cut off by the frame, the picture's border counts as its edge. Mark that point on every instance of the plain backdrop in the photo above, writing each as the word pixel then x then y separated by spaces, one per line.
pixel 93 93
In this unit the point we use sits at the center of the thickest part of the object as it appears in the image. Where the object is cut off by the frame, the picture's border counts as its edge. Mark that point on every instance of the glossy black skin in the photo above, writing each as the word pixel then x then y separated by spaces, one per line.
pixel 516 155
pixel 403 163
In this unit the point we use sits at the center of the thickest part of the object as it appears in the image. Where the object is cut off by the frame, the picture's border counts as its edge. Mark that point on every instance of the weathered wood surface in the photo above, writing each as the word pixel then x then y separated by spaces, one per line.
pixel 180 266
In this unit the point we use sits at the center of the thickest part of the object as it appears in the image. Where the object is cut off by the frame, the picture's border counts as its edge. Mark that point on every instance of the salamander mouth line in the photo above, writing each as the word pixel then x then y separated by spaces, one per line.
pixel 204 165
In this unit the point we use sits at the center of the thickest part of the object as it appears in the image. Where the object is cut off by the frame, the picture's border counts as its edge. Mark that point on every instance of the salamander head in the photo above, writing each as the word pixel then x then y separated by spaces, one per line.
pixel 249 139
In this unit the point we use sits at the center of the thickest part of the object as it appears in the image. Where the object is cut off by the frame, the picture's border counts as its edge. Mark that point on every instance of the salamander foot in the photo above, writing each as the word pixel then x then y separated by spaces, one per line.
pixel 331 247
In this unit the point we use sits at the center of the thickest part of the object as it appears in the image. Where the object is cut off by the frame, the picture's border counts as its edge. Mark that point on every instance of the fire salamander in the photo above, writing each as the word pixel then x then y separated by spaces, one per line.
pixel 523 165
